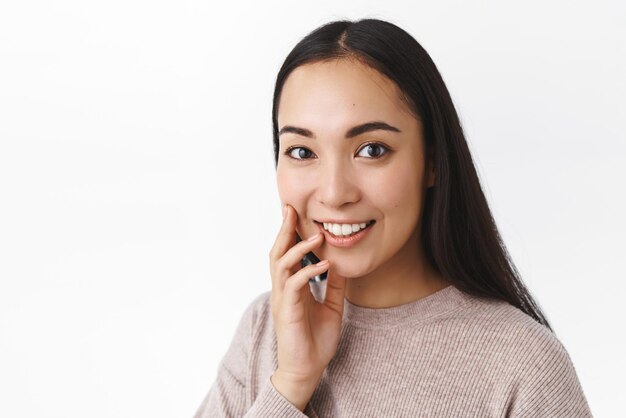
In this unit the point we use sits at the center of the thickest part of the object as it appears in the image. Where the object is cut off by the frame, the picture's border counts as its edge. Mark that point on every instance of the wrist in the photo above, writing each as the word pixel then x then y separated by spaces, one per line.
pixel 297 390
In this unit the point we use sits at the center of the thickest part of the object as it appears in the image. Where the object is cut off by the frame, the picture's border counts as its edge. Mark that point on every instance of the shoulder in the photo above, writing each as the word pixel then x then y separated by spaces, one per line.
pixel 504 324
pixel 258 309
pixel 251 328
pixel 530 351
pixel 540 377
pixel 258 306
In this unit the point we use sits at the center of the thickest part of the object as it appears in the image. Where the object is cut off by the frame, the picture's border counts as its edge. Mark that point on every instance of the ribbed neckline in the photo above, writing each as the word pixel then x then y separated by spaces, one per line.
pixel 435 304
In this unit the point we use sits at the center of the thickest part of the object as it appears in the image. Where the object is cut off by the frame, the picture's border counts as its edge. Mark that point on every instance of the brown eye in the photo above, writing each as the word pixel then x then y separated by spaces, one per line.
pixel 298 153
pixel 373 151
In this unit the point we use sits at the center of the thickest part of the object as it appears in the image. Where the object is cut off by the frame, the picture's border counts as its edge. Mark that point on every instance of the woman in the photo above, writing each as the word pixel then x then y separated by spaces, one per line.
pixel 424 313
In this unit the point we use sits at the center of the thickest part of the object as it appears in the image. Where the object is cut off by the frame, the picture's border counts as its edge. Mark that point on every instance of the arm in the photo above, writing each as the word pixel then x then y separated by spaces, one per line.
pixel 228 395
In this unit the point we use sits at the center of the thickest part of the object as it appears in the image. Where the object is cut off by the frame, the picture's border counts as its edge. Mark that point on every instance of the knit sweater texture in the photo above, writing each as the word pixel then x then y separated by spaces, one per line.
pixel 449 354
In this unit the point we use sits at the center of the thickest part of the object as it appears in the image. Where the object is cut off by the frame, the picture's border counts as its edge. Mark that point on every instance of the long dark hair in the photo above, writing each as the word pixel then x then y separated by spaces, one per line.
pixel 459 235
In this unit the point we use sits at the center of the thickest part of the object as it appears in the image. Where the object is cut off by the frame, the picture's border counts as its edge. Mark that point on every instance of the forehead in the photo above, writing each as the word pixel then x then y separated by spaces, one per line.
pixel 339 92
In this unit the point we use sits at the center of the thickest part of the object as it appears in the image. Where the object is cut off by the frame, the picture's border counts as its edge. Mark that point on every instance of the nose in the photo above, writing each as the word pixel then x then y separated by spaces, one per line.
pixel 337 185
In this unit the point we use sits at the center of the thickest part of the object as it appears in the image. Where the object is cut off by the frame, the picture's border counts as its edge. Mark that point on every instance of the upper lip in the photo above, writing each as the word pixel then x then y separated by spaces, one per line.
pixel 343 221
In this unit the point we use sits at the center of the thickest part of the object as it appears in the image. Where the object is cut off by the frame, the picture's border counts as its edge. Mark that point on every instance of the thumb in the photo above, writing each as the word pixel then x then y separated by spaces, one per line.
pixel 335 291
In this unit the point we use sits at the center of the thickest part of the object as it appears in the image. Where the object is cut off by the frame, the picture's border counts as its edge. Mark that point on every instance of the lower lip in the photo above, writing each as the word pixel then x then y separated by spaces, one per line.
pixel 344 242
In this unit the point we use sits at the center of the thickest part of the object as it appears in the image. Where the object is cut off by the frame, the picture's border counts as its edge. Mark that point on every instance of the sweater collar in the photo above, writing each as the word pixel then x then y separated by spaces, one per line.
pixel 444 300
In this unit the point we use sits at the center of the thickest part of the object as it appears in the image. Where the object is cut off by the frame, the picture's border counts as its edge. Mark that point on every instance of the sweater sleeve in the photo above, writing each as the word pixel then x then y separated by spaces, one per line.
pixel 548 385
pixel 228 395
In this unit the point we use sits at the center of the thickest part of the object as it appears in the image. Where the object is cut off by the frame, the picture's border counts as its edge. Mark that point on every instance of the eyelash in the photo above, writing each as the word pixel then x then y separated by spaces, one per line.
pixel 387 150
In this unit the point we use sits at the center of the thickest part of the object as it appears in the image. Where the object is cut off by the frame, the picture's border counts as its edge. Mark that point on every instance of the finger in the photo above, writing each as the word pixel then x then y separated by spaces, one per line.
pixel 286 235
pixel 283 242
pixel 292 293
pixel 290 262
pixel 335 291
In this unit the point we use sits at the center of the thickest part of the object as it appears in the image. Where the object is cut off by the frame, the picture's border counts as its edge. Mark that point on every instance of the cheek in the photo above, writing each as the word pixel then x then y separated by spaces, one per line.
pixel 286 184
pixel 395 190
pixel 293 188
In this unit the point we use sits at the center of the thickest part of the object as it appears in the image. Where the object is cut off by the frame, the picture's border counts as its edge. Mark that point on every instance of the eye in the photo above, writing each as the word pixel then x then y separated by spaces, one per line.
pixel 374 150
pixel 300 153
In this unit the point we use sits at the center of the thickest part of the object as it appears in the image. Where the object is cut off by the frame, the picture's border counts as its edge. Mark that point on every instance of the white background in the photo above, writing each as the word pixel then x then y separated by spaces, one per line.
pixel 138 201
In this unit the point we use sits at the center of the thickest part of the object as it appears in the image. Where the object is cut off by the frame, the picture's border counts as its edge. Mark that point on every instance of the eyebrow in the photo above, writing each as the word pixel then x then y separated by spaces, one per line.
pixel 352 132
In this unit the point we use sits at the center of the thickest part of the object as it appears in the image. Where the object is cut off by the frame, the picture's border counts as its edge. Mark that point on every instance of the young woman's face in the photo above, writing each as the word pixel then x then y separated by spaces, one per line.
pixel 329 173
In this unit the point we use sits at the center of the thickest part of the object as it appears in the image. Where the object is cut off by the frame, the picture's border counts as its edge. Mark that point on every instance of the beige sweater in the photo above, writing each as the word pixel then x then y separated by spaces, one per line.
pixel 446 355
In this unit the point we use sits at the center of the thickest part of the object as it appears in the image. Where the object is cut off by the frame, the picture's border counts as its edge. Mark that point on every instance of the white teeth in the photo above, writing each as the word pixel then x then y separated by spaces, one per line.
pixel 344 229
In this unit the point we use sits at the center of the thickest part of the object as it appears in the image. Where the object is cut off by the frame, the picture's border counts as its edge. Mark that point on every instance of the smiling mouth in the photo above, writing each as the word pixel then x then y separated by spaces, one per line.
pixel 345 230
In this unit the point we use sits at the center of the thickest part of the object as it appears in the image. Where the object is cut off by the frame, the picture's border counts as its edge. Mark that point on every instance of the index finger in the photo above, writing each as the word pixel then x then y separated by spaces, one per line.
pixel 286 237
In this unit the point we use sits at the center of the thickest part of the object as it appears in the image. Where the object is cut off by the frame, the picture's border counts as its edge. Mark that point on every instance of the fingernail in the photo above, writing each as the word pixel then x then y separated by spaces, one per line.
pixel 322 263
pixel 313 237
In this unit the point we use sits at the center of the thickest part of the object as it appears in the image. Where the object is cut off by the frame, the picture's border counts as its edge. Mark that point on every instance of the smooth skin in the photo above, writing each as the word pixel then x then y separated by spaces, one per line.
pixel 377 175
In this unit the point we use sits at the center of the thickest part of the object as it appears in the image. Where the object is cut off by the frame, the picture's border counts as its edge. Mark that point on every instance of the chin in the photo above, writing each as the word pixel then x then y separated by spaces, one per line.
pixel 348 270
pixel 350 265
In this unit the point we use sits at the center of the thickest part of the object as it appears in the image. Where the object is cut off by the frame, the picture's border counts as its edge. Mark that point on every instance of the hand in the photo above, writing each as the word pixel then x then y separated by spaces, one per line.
pixel 307 332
